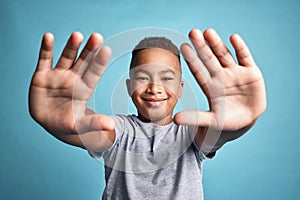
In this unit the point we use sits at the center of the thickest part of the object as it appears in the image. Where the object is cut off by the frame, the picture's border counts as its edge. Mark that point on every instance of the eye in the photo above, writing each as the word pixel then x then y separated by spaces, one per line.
pixel 141 78
pixel 167 78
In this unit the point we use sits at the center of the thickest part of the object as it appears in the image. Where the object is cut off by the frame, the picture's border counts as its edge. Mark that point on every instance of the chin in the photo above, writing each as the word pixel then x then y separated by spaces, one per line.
pixel 155 116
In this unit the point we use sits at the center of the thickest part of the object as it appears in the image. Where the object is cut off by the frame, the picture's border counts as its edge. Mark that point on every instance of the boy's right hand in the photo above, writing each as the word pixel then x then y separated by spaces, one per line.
pixel 58 97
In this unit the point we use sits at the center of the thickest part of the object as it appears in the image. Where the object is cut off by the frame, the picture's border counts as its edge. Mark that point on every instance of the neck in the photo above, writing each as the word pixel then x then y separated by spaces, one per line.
pixel 159 121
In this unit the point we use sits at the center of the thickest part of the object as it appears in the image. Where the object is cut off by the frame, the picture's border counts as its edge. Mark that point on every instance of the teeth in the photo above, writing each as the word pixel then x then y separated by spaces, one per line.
pixel 154 100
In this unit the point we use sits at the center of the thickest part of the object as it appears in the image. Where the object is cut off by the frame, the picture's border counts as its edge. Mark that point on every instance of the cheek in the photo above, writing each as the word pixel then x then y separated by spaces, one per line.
pixel 173 90
pixel 137 89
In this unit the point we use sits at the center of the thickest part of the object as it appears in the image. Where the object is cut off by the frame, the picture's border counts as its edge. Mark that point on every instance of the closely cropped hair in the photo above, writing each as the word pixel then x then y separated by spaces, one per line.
pixel 155 42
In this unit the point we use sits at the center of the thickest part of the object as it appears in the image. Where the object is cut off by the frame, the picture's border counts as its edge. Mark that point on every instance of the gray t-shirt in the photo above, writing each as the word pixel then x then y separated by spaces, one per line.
pixel 148 161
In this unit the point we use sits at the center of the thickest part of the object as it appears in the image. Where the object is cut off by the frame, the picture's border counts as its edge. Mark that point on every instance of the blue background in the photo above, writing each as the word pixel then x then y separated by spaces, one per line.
pixel 263 164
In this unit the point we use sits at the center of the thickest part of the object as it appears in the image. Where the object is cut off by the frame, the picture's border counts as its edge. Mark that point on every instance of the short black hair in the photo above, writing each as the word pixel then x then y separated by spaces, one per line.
pixel 154 42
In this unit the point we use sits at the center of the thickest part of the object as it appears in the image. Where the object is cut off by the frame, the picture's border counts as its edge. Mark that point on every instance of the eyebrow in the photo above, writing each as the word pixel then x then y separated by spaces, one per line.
pixel 161 72
pixel 140 70
pixel 167 71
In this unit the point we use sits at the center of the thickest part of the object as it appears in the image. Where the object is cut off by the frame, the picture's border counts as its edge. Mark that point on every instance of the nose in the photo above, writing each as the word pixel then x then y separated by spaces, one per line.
pixel 154 88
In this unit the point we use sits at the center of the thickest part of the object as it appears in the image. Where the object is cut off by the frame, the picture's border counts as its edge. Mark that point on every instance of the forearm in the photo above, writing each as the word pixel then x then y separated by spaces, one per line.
pixel 87 133
pixel 227 136
pixel 96 141
pixel 210 140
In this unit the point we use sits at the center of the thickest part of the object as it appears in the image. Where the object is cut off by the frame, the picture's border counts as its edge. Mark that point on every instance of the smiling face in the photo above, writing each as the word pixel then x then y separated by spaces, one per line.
pixel 155 85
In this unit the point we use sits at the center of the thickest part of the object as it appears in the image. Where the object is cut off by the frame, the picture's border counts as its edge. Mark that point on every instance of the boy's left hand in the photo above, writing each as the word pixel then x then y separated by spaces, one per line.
pixel 235 91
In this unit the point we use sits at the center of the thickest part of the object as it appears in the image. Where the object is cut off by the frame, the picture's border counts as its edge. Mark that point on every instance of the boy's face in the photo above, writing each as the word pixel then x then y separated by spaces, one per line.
pixel 155 85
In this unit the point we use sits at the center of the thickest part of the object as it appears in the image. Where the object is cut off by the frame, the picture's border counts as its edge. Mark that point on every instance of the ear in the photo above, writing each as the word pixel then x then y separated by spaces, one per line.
pixel 128 84
pixel 181 84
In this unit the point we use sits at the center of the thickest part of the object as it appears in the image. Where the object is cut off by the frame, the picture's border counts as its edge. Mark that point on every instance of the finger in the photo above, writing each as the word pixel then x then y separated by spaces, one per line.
pixel 219 48
pixel 242 52
pixel 95 122
pixel 97 67
pixel 204 52
pixel 195 64
pixel 70 51
pixel 46 52
pixel 87 54
pixel 194 118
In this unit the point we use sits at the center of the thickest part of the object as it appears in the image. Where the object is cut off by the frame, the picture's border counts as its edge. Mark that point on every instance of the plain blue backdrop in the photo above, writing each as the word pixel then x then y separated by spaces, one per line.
pixel 263 164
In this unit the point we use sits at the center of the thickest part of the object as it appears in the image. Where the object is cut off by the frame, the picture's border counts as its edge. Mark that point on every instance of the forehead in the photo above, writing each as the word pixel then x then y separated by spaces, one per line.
pixel 157 58
pixel 154 69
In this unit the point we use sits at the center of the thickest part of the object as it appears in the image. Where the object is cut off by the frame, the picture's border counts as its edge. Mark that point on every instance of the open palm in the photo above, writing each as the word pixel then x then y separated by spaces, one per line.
pixel 58 97
pixel 235 91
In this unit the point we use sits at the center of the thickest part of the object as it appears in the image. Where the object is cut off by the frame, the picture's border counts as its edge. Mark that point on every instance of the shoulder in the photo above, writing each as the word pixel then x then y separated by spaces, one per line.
pixel 125 121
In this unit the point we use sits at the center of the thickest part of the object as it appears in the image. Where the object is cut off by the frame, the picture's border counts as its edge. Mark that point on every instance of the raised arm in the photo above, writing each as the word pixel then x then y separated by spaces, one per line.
pixel 58 96
pixel 235 90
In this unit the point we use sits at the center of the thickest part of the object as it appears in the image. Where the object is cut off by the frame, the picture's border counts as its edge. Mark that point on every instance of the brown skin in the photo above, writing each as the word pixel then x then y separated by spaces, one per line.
pixel 235 90
pixel 155 85
pixel 59 105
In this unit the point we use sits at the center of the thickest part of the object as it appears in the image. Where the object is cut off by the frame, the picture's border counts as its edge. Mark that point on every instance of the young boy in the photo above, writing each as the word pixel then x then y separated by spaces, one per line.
pixel 151 155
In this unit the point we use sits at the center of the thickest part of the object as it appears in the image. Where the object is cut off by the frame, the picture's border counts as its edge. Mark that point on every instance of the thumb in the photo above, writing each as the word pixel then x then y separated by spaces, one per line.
pixel 95 122
pixel 194 118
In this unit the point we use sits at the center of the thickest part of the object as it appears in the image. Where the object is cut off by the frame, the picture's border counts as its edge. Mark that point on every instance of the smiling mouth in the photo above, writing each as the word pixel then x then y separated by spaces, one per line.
pixel 154 102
